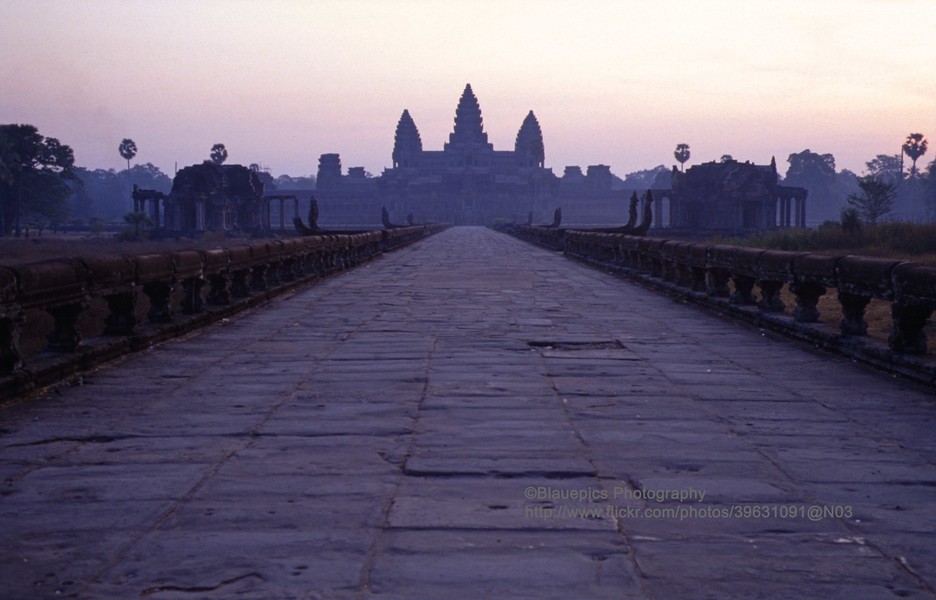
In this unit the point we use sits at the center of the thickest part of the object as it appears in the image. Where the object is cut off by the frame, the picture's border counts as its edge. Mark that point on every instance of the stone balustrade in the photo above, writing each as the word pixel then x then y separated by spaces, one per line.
pixel 752 277
pixel 142 299
pixel 547 237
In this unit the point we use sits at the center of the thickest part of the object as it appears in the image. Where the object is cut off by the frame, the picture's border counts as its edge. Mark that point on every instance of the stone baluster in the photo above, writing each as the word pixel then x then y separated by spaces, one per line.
pixel 914 300
pixel 859 280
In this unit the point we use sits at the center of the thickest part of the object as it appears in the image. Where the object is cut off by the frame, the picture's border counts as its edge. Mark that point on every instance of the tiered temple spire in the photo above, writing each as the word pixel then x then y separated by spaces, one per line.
pixel 406 142
pixel 529 147
pixel 469 128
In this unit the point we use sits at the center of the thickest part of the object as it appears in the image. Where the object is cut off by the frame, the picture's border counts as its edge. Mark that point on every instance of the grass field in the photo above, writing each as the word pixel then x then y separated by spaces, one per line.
pixel 908 241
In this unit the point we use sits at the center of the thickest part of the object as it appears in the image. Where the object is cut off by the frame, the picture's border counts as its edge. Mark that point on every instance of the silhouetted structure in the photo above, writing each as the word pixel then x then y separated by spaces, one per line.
pixel 467 182
pixel 313 227
pixel 148 202
pixel 213 197
pixel 729 196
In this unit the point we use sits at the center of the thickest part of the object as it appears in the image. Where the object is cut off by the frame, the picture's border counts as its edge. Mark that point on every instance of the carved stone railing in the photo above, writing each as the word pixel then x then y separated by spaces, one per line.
pixel 183 290
pixel 752 279
pixel 547 237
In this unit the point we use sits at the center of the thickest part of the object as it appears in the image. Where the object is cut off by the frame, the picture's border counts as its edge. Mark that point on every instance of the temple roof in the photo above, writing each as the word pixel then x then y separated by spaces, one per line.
pixel 469 128
pixel 530 139
pixel 406 141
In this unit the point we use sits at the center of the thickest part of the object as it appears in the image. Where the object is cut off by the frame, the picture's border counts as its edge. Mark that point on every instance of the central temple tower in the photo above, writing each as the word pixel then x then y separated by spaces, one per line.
pixel 469 133
pixel 468 182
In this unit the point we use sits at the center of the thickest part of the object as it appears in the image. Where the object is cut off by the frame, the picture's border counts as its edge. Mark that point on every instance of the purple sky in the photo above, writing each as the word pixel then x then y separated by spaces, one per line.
pixel 614 82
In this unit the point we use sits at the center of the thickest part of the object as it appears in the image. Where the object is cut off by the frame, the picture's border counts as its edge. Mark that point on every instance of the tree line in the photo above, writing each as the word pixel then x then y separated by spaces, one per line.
pixel 41 187
pixel 888 189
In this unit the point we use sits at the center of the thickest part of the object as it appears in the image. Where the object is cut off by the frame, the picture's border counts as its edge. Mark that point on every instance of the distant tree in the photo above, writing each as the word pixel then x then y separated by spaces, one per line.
pixel 149 176
pixel 875 199
pixel 846 183
pixel 286 182
pixel 726 158
pixel 7 158
pixel 646 178
pixel 101 193
pixel 46 204
pixel 929 191
pixel 809 168
pixel 127 150
pixel 914 147
pixel 219 154
pixel 682 155
pixel 815 172
pixel 37 171
pixel 885 167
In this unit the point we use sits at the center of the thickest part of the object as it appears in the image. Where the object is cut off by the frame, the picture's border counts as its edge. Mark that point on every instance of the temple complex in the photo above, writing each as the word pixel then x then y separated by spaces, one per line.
pixel 468 182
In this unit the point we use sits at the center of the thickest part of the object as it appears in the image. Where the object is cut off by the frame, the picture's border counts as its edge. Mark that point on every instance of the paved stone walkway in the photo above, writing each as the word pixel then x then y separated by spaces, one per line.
pixel 472 417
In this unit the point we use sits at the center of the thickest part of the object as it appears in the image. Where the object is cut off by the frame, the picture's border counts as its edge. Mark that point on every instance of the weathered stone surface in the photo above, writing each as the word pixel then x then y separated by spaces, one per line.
pixel 471 417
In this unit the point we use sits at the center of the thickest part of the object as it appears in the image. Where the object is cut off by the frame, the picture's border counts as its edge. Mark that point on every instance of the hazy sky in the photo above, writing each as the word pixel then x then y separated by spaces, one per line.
pixel 615 82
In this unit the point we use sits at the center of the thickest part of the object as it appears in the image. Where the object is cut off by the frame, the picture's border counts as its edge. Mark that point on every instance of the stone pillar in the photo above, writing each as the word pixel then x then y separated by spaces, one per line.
pixel 770 295
pixel 282 215
pixel 907 336
pixel 853 309
pixel 716 282
pixel 160 297
pixel 12 319
pixel 744 290
pixel 199 215
pixel 807 300
pixel 65 336
pixel 121 318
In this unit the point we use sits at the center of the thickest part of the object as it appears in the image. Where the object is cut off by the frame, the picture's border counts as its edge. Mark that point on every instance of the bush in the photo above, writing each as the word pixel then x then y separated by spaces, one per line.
pixel 851 221
pixel 130 235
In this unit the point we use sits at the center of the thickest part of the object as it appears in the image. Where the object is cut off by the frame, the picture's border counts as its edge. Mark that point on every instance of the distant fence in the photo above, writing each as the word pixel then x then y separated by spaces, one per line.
pixel 705 271
pixel 58 317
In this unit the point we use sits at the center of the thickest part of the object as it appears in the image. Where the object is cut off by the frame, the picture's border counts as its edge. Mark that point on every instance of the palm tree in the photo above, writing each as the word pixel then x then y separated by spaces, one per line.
pixel 682 155
pixel 914 147
pixel 219 154
pixel 128 150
